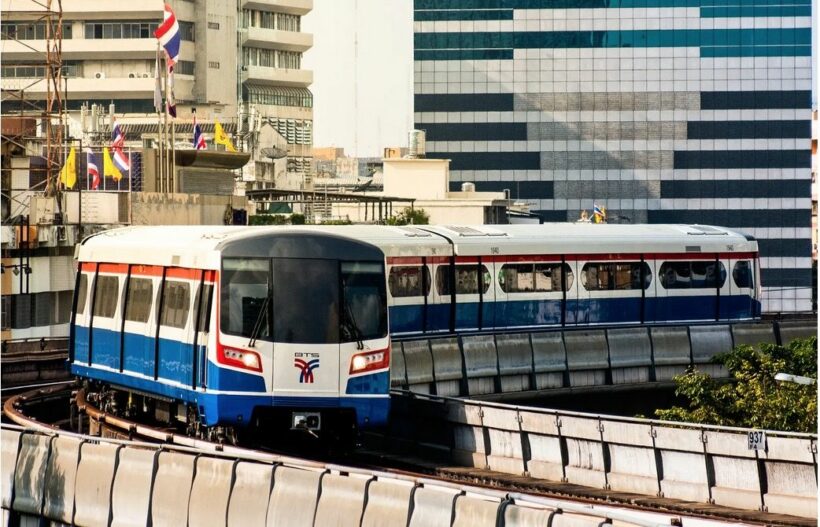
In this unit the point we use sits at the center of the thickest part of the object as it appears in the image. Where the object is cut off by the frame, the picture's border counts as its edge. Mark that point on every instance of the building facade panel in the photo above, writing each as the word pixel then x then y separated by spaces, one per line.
pixel 664 111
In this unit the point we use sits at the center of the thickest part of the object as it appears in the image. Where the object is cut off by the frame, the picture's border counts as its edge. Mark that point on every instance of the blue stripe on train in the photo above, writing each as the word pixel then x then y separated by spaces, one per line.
pixel 528 313
pixel 227 409
pixel 175 360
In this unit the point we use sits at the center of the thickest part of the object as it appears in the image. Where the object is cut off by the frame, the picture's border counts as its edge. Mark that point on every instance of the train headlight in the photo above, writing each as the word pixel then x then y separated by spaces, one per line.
pixel 245 359
pixel 359 363
pixel 372 360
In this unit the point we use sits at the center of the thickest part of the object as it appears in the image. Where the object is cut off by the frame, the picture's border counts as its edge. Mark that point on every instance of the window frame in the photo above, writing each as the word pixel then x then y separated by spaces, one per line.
pixel 642 268
pixel 424 279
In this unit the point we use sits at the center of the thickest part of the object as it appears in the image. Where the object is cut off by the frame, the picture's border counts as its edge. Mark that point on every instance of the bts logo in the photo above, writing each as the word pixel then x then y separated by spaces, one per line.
pixel 305 367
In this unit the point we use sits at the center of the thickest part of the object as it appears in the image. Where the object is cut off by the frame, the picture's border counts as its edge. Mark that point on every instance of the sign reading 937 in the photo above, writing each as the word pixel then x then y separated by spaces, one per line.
pixel 306 363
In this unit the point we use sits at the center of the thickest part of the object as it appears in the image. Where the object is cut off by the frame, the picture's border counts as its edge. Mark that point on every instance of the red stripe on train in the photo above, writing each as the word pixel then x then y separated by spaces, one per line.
pixel 150 270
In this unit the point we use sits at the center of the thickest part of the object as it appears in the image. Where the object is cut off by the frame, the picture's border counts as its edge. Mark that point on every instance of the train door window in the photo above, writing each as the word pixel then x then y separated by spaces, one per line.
pixel 306 301
pixel 615 276
pixel 176 303
pixel 408 281
pixel 82 293
pixel 742 274
pixel 245 286
pixel 364 314
pixel 140 296
pixel 466 279
pixel 106 295
pixel 202 301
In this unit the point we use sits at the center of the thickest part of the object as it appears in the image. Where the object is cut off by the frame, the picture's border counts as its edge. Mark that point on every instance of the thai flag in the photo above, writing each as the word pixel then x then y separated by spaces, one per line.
pixel 199 139
pixel 117 143
pixel 168 35
pixel 93 169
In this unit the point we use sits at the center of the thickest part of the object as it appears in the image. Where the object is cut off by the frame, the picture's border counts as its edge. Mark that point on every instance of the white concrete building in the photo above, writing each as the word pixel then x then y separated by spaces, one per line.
pixel 240 63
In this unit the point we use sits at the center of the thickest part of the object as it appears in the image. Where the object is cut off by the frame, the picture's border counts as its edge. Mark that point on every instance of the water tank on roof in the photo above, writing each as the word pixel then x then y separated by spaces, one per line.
pixel 416 144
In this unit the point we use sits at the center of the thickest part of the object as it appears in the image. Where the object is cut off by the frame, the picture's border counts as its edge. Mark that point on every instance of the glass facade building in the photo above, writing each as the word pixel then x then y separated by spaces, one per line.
pixel 663 111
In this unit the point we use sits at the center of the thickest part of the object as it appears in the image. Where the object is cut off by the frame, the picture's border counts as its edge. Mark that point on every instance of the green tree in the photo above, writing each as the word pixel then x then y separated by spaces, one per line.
pixel 268 219
pixel 752 398
pixel 409 217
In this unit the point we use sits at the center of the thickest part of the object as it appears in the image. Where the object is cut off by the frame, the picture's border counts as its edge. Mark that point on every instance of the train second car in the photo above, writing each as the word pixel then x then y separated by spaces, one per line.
pixel 219 328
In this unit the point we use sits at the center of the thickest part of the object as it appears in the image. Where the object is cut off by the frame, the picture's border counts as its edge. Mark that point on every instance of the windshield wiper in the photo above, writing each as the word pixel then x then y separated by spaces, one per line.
pixel 350 323
pixel 257 327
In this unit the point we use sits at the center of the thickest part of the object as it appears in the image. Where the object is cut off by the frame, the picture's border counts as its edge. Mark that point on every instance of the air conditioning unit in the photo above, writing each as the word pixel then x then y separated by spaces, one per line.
pixel 145 75
pixel 99 75
pixel 133 75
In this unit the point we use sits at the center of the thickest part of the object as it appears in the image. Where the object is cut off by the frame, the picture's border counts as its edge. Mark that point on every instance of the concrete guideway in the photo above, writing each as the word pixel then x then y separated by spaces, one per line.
pixel 515 362
pixel 91 481
pixel 691 463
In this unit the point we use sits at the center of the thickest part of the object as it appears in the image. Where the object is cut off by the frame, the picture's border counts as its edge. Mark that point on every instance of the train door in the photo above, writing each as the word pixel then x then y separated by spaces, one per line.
pixel 81 330
pixel 469 281
pixel 106 316
pixel 306 330
pixel 487 290
pixel 581 306
pixel 176 327
pixel 139 325
pixel 203 305
pixel 440 305
pixel 739 302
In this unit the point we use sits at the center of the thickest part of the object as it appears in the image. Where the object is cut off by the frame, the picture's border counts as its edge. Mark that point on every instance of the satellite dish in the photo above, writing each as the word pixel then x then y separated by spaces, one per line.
pixel 275 152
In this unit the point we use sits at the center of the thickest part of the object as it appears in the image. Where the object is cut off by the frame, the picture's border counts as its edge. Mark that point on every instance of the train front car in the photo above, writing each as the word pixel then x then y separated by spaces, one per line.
pixel 302 341
pixel 226 329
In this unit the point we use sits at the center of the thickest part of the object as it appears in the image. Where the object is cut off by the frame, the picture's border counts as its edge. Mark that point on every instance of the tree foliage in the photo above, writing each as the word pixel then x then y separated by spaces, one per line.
pixel 752 398
pixel 410 217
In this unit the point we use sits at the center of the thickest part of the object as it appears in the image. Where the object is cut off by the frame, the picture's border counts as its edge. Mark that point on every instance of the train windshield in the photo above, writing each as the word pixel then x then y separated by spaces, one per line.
pixel 314 301
pixel 365 302
pixel 305 301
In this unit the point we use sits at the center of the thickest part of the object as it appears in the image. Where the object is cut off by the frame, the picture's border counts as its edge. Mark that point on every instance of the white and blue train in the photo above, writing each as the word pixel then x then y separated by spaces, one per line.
pixel 222 327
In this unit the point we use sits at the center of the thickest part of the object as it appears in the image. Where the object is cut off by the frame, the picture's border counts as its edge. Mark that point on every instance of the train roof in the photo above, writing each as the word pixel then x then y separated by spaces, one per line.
pixel 202 246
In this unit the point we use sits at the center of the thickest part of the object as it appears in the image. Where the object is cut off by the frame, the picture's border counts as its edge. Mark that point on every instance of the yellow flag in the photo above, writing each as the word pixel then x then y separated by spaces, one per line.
pixel 68 174
pixel 221 138
pixel 109 168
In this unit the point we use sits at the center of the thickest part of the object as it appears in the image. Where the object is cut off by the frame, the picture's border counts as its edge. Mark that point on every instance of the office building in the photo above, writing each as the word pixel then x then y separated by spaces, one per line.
pixel 672 111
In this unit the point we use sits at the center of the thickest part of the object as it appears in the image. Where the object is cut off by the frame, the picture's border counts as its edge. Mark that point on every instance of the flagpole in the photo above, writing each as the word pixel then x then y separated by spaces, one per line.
pixel 159 124
pixel 165 124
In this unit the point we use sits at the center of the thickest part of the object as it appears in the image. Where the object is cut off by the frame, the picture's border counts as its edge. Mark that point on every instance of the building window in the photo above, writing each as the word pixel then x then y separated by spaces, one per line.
pixel 12 70
pixel 295 131
pixel 213 65
pixel 278 96
pixel 213 25
pixel 184 67
pixel 186 31
pixel 135 29
pixel 268 20
pixel 28 30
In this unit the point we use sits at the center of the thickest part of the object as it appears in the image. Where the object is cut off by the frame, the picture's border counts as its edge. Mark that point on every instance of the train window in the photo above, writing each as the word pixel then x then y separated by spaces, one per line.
pixel 140 295
pixel 691 275
pixel 742 274
pixel 408 281
pixel 245 286
pixel 615 276
pixel 530 278
pixel 82 293
pixel 364 313
pixel 466 279
pixel 202 301
pixel 176 303
pixel 106 296
pixel 306 301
